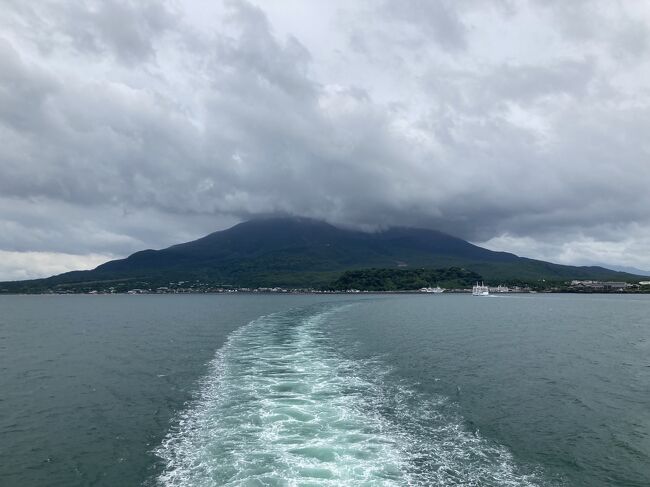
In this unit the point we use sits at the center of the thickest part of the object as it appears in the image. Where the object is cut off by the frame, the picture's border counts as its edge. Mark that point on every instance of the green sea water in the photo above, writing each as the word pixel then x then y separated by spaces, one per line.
pixel 200 390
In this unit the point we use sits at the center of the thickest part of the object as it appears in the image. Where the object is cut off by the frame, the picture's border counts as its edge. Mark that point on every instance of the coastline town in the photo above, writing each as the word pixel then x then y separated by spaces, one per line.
pixel 199 287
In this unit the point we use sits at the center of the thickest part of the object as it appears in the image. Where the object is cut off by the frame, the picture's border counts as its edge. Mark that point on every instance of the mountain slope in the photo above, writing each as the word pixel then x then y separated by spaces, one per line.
pixel 303 252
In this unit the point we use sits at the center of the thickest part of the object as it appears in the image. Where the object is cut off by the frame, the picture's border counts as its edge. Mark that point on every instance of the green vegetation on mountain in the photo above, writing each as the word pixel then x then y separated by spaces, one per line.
pixel 294 252
pixel 404 279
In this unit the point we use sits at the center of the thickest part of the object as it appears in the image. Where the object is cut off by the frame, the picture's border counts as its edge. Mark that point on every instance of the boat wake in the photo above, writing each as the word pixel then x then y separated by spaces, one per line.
pixel 281 406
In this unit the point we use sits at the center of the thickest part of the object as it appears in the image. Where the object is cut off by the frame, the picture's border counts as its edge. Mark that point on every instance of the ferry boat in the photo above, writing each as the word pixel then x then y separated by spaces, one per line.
pixel 480 290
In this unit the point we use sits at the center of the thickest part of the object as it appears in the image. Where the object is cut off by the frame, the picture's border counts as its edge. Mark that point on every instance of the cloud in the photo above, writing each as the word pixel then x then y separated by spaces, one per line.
pixel 424 21
pixel 124 30
pixel 619 28
pixel 579 249
pixel 17 266
pixel 128 125
pixel 44 225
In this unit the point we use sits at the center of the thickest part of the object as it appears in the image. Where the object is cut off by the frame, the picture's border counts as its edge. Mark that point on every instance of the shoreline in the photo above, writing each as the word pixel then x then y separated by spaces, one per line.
pixel 326 293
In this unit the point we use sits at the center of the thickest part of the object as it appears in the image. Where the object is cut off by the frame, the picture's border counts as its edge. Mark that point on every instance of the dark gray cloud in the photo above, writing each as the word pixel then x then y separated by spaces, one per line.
pixel 139 124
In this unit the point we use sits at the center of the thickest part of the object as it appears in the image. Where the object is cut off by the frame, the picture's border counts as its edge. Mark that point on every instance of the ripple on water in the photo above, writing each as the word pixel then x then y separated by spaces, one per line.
pixel 282 407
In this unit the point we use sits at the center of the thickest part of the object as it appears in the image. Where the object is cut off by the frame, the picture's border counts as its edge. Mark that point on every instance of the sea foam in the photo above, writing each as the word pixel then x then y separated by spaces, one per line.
pixel 282 407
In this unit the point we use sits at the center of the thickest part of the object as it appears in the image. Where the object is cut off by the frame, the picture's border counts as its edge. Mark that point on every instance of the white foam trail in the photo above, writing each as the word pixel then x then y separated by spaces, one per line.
pixel 282 407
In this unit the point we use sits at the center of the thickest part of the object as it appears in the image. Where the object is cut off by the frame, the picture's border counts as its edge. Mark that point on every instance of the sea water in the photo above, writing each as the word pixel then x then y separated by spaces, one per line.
pixel 325 390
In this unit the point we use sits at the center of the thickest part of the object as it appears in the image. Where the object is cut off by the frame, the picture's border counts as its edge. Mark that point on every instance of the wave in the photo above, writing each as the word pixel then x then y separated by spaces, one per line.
pixel 282 406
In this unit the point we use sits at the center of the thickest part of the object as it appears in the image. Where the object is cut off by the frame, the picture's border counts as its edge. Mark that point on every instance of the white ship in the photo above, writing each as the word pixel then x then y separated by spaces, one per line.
pixel 480 290
pixel 436 290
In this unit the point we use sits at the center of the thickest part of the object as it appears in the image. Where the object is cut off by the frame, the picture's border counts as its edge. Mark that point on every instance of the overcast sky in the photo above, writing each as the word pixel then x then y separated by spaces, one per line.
pixel 519 125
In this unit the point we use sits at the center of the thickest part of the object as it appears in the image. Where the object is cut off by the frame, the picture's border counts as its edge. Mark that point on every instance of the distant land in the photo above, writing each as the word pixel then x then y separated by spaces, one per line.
pixel 627 269
pixel 305 253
